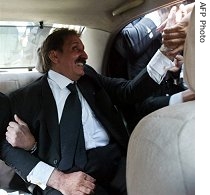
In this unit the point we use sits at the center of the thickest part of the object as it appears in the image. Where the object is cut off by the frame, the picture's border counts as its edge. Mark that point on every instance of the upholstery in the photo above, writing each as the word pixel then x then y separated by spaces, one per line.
pixel 161 150
pixel 189 54
pixel 12 81
pixel 6 175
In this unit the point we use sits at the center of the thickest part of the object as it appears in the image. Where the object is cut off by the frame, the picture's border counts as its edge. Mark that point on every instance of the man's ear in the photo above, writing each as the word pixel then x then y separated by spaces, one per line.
pixel 53 56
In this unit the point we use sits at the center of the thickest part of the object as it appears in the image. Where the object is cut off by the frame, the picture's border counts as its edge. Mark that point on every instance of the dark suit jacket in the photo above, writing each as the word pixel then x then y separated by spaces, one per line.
pixel 16 183
pixel 4 114
pixel 36 106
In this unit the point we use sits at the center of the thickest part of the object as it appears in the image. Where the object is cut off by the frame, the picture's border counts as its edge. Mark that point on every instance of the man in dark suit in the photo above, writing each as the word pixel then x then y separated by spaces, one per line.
pixel 41 105
pixel 8 178
pixel 4 120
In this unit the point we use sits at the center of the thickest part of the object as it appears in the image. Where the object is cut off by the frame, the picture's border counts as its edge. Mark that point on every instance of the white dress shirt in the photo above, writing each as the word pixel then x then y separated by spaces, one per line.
pixel 94 133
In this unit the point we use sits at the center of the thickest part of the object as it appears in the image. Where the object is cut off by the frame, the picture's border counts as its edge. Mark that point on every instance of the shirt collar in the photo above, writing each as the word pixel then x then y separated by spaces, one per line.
pixel 59 79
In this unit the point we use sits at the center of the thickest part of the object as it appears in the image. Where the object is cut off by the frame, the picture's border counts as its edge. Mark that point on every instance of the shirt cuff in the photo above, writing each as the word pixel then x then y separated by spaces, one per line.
pixel 176 98
pixel 158 66
pixel 39 177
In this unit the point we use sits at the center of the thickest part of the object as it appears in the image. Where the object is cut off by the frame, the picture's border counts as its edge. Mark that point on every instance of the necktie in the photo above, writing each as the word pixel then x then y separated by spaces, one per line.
pixel 71 133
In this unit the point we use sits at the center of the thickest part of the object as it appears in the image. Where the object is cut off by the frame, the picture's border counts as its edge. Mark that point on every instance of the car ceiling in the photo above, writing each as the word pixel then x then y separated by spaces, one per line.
pixel 97 14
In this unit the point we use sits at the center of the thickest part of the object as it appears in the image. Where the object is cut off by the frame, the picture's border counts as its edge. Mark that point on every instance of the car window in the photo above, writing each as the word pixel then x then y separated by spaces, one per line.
pixel 19 42
pixel 135 44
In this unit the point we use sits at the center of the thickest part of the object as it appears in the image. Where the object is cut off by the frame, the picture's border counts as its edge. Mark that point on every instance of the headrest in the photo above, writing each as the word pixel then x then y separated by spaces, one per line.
pixel 189 54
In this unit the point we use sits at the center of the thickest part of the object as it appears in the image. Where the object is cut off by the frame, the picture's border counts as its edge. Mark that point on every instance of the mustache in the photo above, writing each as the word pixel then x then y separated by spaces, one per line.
pixel 81 60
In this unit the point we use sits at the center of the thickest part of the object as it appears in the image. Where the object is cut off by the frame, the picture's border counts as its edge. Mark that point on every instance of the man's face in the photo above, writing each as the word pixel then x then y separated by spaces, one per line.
pixel 70 62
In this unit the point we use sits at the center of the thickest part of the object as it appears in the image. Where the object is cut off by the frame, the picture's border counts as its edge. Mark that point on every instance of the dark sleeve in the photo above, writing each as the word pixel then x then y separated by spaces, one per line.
pixel 5 115
pixel 20 160
pixel 130 91
pixel 151 104
pixel 138 37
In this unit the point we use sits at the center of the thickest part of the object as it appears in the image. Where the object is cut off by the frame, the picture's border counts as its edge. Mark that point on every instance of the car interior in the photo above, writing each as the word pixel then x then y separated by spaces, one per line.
pixel 25 24
pixel 166 155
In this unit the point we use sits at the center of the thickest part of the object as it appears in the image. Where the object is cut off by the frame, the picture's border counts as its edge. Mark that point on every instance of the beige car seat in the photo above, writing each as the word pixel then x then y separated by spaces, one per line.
pixel 6 175
pixel 161 150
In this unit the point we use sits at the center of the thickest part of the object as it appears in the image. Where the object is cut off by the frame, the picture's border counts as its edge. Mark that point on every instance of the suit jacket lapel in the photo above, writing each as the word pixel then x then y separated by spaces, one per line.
pixel 102 107
pixel 50 114
pixel 94 95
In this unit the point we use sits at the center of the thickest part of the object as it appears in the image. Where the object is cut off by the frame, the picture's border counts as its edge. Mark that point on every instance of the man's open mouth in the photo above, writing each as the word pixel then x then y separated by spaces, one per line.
pixel 80 62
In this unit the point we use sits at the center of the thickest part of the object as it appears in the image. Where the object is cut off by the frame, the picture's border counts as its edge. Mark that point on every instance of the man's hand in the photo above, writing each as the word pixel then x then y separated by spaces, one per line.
pixel 174 16
pixel 18 134
pixel 174 37
pixel 175 29
pixel 72 183
pixel 178 62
